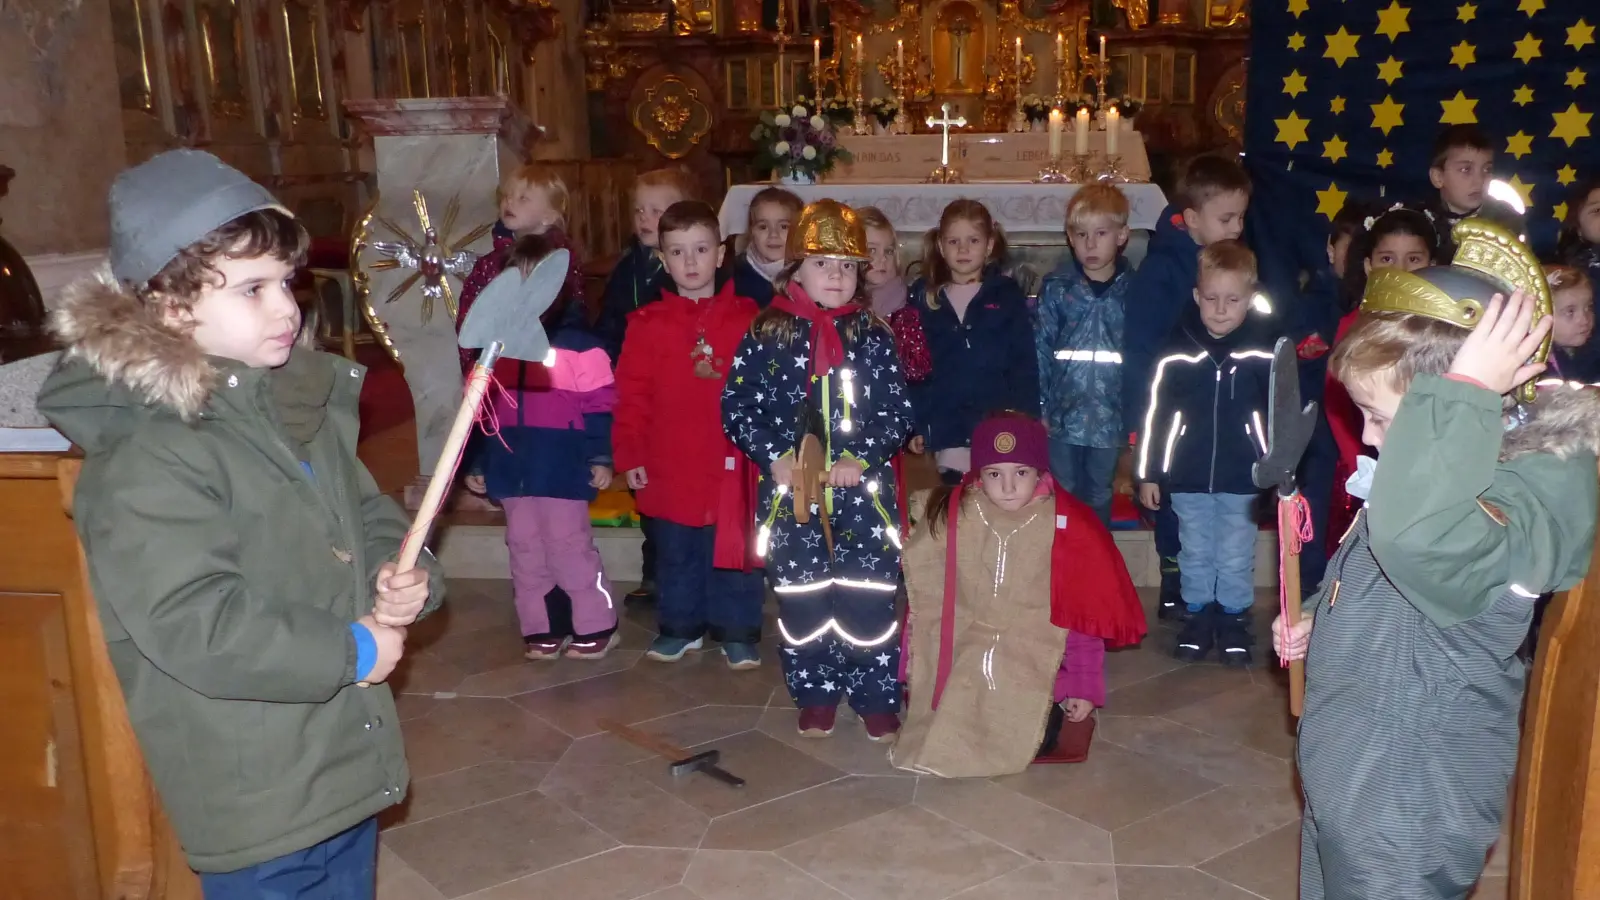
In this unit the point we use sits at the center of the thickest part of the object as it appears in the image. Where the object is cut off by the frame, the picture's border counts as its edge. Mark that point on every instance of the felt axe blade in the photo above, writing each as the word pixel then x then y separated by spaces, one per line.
pixel 1289 425
pixel 507 311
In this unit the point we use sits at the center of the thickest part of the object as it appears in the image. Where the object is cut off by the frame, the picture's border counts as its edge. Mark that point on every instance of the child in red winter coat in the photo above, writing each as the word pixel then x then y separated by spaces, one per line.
pixel 687 476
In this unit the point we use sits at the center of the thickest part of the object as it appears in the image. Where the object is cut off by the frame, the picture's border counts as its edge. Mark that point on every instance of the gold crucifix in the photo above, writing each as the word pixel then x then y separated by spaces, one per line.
pixel 944 174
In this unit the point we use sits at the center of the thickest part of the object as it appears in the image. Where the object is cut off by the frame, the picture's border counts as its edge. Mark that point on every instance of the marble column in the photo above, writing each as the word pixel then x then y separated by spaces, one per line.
pixel 449 150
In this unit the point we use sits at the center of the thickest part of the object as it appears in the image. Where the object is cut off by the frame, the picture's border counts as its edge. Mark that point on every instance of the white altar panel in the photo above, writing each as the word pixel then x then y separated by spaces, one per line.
pixel 979 156
pixel 1019 206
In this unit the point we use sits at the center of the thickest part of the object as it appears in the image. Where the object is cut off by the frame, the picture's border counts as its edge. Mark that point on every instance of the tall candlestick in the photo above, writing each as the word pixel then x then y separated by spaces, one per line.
pixel 1113 125
pixel 1057 121
pixel 1080 133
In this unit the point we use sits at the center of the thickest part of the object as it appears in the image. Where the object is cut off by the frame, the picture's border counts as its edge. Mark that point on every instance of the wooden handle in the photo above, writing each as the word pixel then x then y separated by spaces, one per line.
pixel 444 471
pixel 1291 591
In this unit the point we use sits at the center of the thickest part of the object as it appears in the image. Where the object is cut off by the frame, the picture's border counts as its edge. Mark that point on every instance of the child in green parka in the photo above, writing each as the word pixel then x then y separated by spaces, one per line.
pixel 1484 498
pixel 237 549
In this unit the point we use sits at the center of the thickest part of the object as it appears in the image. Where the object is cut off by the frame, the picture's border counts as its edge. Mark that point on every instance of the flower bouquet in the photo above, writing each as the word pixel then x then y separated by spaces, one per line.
pixel 1036 108
pixel 798 145
pixel 1071 105
pixel 1126 107
pixel 884 109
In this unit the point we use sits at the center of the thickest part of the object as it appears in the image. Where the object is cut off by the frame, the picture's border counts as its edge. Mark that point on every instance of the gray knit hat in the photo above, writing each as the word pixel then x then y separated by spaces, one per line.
pixel 171 201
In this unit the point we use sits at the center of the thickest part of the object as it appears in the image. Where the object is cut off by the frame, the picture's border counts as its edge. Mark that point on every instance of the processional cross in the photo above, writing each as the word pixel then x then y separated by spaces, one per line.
pixel 944 174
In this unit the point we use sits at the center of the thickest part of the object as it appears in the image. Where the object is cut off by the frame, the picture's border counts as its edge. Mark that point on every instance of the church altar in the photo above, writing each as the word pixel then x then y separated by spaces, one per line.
pixel 980 157
pixel 1019 206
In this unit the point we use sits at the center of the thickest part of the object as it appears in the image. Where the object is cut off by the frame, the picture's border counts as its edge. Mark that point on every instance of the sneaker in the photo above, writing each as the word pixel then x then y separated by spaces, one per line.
pixel 817 721
pixel 593 649
pixel 881 727
pixel 1171 605
pixel 1198 636
pixel 742 656
pixel 672 649
pixel 1234 638
pixel 542 648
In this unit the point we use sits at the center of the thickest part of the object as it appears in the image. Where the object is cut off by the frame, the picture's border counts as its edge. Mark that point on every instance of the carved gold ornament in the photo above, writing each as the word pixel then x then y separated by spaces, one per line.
pixel 672 117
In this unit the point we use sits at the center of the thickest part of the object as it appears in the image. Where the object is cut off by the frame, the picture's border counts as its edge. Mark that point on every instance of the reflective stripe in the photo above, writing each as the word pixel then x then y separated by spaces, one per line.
pixel 1172 441
pixel 887 587
pixel 1251 354
pixel 600 583
pixel 834 626
pixel 1261 434
pixel 1523 592
pixel 1150 412
pixel 1095 356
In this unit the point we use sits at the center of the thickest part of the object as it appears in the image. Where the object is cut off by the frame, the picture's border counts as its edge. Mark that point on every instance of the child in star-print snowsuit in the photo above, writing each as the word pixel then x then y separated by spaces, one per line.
pixel 818 348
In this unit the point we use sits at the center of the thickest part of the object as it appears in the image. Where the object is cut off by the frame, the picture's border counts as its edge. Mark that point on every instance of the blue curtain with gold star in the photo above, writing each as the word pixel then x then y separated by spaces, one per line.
pixel 1346 98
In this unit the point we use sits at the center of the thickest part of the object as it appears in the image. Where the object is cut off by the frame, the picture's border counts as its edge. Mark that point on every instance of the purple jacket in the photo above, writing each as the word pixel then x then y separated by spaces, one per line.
pixel 1083 670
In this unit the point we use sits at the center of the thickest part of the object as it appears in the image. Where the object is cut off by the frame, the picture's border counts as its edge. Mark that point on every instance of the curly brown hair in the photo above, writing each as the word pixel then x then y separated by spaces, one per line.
pixel 265 232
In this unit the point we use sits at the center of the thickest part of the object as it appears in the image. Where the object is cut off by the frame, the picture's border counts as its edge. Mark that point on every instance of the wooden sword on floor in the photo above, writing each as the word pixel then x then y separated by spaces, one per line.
pixel 680 762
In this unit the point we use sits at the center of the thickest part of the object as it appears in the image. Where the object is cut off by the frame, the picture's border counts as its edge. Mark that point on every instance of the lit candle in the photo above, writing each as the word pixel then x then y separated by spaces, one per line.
pixel 1061 53
pixel 899 67
pixel 1057 122
pixel 1102 51
pixel 1019 66
pixel 1080 133
pixel 858 51
pixel 816 68
pixel 1113 125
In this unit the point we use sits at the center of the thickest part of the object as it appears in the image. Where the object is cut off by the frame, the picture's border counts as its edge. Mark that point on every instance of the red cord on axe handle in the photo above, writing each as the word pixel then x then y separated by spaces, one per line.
pixel 1294 531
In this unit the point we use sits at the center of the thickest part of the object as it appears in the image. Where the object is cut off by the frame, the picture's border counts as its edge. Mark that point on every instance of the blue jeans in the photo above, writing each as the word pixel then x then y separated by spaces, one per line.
pixel 1218 558
pixel 692 598
pixel 1086 473
pixel 343 867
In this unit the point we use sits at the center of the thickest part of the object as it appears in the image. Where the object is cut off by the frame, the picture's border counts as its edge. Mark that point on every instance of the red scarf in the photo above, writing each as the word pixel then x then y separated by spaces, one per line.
pixel 827 349
pixel 1090 590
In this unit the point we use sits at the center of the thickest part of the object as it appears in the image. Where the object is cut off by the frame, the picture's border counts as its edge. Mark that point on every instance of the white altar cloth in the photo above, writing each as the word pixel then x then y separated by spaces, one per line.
pixel 1019 206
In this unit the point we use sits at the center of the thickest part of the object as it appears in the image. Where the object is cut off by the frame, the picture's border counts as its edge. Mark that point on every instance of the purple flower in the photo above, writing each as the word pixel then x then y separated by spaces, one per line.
pixel 825 139
pixel 790 134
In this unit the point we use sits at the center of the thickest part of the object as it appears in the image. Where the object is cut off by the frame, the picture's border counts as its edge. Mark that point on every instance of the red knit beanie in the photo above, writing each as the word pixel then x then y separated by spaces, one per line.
pixel 1010 437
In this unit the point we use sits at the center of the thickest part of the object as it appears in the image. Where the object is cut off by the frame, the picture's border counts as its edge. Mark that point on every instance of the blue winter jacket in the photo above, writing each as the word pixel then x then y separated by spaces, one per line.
pixel 1078 333
pixel 1162 288
pixel 637 279
pixel 747 282
pixel 982 364
pixel 1206 423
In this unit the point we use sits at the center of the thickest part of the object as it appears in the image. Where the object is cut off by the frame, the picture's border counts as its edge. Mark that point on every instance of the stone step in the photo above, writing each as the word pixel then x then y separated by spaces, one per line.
pixel 479 551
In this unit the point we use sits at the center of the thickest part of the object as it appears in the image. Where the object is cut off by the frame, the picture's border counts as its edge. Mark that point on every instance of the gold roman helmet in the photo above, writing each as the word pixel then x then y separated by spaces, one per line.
pixel 827 228
pixel 1489 260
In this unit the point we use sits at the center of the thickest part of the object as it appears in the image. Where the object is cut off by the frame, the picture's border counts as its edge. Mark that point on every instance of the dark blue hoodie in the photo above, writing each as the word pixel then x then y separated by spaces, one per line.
pixel 1162 288
pixel 1206 422
pixel 981 364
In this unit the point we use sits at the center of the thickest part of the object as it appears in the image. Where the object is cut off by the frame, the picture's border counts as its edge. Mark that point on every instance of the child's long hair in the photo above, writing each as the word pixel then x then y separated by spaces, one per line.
pixel 1571 243
pixel 545 178
pixel 1397 219
pixel 773 323
pixel 935 271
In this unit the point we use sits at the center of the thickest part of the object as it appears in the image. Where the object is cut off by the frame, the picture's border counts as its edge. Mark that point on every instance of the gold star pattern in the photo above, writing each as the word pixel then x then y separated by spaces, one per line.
pixel 1566 175
pixel 1337 106
pixel 1385 159
pixel 1458 110
pixel 1466 12
pixel 1392 20
pixel 1580 35
pixel 1294 84
pixel 1386 115
pixel 1335 150
pixel 1297 41
pixel 1577 78
pixel 1519 144
pixel 1298 6
pixel 1530 6
pixel 1330 201
pixel 1559 211
pixel 1523 95
pixel 1463 55
pixel 1527 49
pixel 1523 189
pixel 1571 124
pixel 1292 130
pixel 1389 69
pixel 1341 47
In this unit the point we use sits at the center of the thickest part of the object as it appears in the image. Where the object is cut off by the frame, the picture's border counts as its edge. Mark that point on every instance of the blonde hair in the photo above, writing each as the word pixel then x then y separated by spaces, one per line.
pixel 546 179
pixel 935 271
pixel 1228 257
pixel 1097 201
pixel 675 177
pixel 1395 348
pixel 1567 278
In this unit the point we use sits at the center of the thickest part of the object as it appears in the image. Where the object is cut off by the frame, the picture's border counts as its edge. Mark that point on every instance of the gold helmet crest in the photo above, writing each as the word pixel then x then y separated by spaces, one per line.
pixel 1489 260
pixel 827 228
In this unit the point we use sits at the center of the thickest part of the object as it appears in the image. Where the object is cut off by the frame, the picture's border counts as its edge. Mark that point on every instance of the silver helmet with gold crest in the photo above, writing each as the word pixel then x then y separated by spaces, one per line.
pixel 827 228
pixel 1489 260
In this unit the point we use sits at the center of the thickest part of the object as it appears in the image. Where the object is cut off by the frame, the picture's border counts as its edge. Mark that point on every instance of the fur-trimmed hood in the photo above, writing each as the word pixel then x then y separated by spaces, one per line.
pixel 1563 420
pixel 122 366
